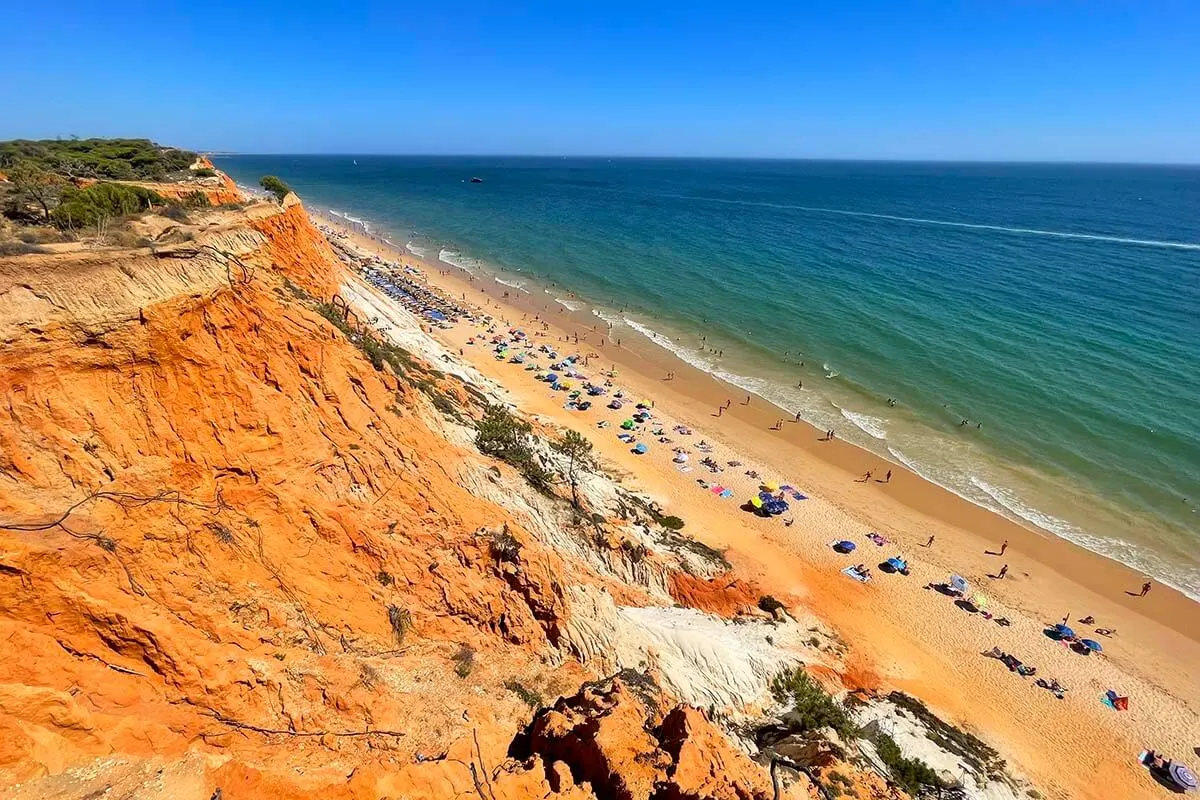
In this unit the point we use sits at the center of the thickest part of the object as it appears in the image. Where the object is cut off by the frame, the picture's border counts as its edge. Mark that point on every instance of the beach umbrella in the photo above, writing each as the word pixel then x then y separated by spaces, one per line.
pixel 897 563
pixel 681 458
pixel 1092 644
pixel 846 545
pixel 1183 777
pixel 958 584
pixel 627 424
pixel 1064 632
pixel 757 502
pixel 771 487
pixel 640 449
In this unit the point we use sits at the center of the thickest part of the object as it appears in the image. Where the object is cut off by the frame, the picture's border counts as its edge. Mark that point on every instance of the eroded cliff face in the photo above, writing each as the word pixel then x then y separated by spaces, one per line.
pixel 234 555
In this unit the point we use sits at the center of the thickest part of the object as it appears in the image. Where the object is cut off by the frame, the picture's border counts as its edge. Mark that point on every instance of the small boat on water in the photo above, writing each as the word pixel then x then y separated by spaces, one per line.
pixel 476 180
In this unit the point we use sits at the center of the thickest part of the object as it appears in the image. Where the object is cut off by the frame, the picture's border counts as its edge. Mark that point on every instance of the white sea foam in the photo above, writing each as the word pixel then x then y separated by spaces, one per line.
pixel 607 316
pixel 512 285
pixel 457 260
pixel 874 426
pixel 351 219
pixel 830 372
pixel 687 354
pixel 419 252
pixel 570 305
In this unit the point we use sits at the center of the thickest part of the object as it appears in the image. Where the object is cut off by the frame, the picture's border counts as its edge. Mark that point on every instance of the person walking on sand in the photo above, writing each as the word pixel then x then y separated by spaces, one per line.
pixel 1003 571
pixel 930 542
pixel 1003 547
pixel 1145 589
pixel 888 477
pixel 866 476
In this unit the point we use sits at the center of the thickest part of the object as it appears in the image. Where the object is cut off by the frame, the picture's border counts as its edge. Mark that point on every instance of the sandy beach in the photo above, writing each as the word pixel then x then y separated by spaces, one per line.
pixel 901 633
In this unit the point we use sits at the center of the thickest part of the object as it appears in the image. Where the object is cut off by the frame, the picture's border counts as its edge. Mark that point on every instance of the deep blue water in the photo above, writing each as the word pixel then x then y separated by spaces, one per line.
pixel 1056 305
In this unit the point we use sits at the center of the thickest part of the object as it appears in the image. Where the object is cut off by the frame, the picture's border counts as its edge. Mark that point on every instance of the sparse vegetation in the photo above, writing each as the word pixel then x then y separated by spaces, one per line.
pixel 20 249
pixel 811 707
pixel 671 523
pixel 530 697
pixel 578 450
pixel 503 435
pixel 769 604
pixel 384 577
pixel 275 186
pixel 910 774
pixel 505 547
pixel 205 172
pixel 464 660
pixel 401 621
pixel 36 185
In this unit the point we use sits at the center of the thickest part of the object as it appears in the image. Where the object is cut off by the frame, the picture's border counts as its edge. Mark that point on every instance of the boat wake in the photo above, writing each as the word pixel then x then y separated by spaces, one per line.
pixel 1093 237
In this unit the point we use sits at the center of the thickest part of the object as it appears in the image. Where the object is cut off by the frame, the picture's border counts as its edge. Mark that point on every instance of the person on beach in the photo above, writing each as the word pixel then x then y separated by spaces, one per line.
pixel 1003 571
pixel 866 476
pixel 930 542
pixel 797 416
pixel 1145 589
pixel 728 403
pixel 720 411
pixel 888 477
pixel 1003 548
pixel 799 384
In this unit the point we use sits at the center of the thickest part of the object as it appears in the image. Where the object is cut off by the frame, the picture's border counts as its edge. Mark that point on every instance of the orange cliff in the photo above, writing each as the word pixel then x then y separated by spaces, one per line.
pixel 235 556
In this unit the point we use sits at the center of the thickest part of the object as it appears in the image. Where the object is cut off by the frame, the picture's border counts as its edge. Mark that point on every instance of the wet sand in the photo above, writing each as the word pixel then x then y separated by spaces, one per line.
pixel 901 635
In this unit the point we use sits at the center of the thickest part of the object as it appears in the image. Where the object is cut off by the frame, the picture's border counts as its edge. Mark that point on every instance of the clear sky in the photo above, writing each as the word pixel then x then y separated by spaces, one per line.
pixel 974 79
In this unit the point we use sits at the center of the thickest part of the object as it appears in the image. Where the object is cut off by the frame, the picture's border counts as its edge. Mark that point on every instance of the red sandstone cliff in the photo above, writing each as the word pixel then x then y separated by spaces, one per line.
pixel 236 556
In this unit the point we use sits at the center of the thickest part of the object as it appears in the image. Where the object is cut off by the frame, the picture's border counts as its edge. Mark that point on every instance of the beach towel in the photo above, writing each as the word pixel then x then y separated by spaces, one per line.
pixel 850 573
pixel 728 493
pixel 683 468
pixel 798 496
pixel 717 489
pixel 877 539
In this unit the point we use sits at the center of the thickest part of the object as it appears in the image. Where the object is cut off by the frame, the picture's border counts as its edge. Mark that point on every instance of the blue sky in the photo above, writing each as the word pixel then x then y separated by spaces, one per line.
pixel 975 79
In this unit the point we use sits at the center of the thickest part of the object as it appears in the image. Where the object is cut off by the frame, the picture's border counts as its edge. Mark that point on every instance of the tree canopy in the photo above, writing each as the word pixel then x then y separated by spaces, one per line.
pixel 275 186
pixel 115 159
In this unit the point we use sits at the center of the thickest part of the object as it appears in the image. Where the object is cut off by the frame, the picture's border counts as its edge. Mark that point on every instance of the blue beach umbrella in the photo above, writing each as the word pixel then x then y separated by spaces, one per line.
pixel 1064 632
pixel 897 563
pixel 640 449
pixel 846 546
pixel 1092 644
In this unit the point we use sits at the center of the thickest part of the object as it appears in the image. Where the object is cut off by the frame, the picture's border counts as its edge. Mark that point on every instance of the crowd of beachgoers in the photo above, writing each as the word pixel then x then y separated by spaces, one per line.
pixel 572 373
pixel 401 282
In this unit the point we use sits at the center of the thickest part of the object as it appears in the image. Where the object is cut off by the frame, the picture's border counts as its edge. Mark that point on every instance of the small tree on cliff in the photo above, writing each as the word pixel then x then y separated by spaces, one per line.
pixel 274 186
pixel 578 451
pixel 36 185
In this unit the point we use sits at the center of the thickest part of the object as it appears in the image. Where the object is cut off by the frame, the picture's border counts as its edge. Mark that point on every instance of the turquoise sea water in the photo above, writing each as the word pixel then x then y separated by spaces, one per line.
pixel 1057 306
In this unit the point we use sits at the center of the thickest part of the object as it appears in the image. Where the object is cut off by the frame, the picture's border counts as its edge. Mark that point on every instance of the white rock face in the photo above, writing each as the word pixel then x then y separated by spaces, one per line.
pixel 700 658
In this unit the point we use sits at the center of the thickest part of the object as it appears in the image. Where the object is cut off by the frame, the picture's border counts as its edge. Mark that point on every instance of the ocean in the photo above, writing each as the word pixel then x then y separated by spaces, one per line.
pixel 1055 308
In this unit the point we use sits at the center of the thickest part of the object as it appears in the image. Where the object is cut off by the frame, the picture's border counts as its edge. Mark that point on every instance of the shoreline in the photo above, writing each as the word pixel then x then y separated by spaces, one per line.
pixel 900 637
pixel 641 353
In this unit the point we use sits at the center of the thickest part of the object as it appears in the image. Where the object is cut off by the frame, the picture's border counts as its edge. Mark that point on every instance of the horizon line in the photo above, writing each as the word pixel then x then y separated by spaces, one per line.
pixel 842 159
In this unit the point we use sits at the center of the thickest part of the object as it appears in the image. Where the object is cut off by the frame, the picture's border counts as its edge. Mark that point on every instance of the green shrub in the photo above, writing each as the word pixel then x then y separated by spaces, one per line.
pixel 770 605
pixel 911 774
pixel 530 697
pixel 464 660
pixel 502 435
pixel 671 523
pixel 274 186
pixel 197 200
pixel 101 202
pixel 401 621
pixel 205 172
pixel 811 707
